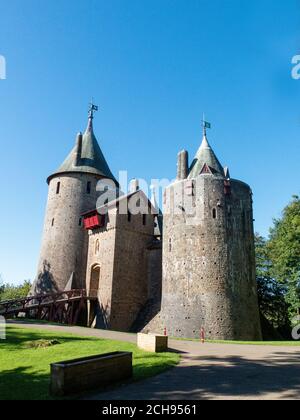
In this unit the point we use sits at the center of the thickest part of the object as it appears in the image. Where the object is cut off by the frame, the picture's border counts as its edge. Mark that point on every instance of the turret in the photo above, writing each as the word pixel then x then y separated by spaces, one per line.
pixel 208 254
pixel 72 192
pixel 205 161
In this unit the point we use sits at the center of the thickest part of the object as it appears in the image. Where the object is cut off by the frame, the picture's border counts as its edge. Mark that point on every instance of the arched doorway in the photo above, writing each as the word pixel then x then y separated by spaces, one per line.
pixel 95 278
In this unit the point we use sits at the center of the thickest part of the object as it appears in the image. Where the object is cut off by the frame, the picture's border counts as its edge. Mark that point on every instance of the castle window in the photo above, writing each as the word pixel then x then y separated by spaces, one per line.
pixel 52 223
pixel 144 220
pixel 129 216
pixel 170 245
pixel 214 213
pixel 97 247
pixel 89 187
pixel 244 223
pixel 58 188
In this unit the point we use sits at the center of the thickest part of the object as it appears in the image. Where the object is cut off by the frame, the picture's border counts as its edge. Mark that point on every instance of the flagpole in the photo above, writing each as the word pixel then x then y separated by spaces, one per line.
pixel 204 125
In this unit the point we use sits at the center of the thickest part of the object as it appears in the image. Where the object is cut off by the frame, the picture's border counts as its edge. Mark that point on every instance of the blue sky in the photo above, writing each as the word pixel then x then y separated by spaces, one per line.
pixel 153 67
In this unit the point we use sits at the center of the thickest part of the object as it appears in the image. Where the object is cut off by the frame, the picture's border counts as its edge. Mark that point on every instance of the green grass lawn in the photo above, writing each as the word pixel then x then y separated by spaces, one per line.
pixel 25 372
pixel 260 343
pixel 247 343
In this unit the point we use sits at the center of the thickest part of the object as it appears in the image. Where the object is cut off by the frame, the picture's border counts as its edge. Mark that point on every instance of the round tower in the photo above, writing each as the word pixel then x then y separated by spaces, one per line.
pixel 72 192
pixel 208 254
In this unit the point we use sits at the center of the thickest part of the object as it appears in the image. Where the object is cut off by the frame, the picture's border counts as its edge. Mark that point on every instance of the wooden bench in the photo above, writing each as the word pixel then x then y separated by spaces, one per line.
pixel 79 375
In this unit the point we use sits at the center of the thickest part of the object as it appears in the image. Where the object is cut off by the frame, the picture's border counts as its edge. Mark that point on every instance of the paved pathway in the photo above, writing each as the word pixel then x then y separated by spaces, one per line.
pixel 210 371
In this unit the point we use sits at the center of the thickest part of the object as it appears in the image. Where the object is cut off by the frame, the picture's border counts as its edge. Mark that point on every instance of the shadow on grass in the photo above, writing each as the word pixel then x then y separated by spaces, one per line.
pixel 150 365
pixel 31 381
pixel 277 377
pixel 22 384
pixel 16 338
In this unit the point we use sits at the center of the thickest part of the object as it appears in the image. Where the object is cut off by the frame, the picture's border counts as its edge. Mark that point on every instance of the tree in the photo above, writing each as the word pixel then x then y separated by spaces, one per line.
pixel 271 293
pixel 11 292
pixel 284 253
pixel 1 286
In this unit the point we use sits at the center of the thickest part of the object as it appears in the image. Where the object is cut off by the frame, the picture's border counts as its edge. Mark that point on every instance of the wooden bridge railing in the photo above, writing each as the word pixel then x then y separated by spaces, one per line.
pixel 63 307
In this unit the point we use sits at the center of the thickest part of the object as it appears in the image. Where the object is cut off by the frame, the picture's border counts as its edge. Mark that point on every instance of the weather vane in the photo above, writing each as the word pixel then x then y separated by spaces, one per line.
pixel 92 108
pixel 205 125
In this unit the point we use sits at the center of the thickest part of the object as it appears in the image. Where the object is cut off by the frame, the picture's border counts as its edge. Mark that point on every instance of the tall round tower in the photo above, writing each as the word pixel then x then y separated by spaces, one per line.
pixel 72 191
pixel 208 253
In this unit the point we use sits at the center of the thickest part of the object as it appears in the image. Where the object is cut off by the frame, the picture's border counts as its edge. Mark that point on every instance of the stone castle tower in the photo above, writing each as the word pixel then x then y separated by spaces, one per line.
pixel 208 253
pixel 72 191
pixel 195 270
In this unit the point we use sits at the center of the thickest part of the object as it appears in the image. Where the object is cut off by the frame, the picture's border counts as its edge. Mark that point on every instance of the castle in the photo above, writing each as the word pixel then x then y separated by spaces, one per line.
pixel 191 268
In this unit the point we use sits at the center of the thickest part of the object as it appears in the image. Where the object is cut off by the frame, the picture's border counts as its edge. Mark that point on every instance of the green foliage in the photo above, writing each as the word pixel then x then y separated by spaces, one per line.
pixel 278 269
pixel 284 253
pixel 10 291
pixel 271 294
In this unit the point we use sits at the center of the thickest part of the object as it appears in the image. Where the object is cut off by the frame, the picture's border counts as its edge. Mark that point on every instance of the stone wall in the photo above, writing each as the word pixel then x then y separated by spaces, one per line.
pixel 154 284
pixel 123 260
pixel 154 270
pixel 101 254
pixel 64 243
pixel 208 261
pixel 130 288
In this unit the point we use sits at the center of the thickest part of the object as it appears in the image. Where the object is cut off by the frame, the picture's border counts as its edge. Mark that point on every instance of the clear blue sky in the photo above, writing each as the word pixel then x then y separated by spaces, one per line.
pixel 154 67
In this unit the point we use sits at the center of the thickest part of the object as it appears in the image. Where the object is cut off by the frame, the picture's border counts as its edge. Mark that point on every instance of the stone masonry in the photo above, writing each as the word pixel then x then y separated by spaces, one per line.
pixel 118 253
pixel 208 256
pixel 189 269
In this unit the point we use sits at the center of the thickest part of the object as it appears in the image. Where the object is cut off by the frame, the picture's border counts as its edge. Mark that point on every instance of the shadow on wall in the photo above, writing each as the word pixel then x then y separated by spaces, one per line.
pixel 45 282
pixel 100 316
pixel 146 315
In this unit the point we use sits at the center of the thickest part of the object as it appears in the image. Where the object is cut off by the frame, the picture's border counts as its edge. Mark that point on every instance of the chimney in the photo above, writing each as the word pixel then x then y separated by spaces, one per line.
pixel 134 186
pixel 78 149
pixel 182 165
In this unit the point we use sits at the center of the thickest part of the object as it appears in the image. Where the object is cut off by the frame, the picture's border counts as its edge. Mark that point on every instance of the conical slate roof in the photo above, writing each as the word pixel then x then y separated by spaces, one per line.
pixel 205 162
pixel 91 159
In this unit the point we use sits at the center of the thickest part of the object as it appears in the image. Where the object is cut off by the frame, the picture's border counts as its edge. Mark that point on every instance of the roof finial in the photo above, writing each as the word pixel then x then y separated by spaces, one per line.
pixel 205 125
pixel 92 109
pixel 153 189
